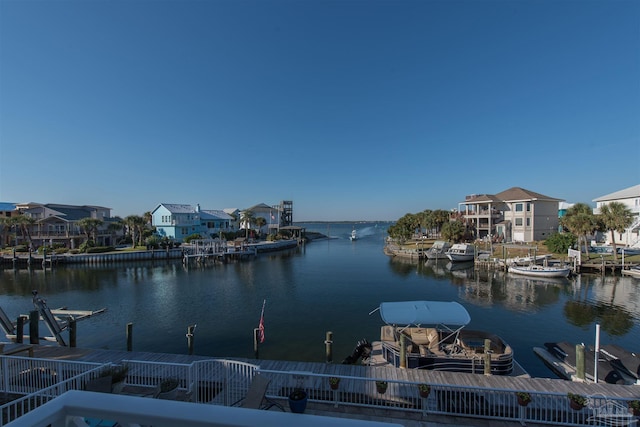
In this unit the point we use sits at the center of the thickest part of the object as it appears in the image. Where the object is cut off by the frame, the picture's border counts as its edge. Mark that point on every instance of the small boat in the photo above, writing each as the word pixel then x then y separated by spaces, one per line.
pixel 540 271
pixel 353 235
pixel 633 272
pixel 615 364
pixel 438 250
pixel 434 337
pixel 461 252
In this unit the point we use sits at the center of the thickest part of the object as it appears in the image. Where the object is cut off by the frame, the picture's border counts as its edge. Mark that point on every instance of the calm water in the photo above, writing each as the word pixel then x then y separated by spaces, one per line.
pixel 328 285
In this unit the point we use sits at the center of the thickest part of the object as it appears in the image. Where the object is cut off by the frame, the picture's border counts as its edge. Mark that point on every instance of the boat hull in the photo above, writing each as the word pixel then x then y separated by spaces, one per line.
pixel 535 271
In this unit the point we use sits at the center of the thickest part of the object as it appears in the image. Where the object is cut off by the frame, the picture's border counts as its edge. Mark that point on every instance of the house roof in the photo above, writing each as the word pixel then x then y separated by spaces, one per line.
pixel 482 198
pixel 215 214
pixel 627 193
pixel 517 193
pixel 178 208
pixel 5 206
pixel 260 207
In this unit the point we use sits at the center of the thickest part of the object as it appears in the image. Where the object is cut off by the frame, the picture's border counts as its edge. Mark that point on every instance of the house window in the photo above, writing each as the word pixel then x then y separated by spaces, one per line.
pixel 528 222
pixel 528 208
pixel 518 222
pixel 519 208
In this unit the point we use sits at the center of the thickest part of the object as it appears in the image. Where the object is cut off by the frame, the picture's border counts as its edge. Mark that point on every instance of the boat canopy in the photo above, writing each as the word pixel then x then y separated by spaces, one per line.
pixel 424 313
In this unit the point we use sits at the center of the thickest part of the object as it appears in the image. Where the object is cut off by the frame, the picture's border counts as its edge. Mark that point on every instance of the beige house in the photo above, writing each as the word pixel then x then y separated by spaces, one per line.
pixel 514 215
pixel 630 197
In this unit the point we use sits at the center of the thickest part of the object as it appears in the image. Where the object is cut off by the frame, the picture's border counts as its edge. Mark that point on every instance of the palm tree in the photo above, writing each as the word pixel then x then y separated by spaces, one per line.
pixel 454 231
pixel 90 227
pixel 24 223
pixel 5 226
pixel 136 225
pixel 260 222
pixel 247 218
pixel 581 221
pixel 440 218
pixel 616 217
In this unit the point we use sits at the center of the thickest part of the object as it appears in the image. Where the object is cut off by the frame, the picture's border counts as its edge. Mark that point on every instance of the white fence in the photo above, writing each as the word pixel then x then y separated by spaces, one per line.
pixel 473 402
pixel 36 381
pixel 224 382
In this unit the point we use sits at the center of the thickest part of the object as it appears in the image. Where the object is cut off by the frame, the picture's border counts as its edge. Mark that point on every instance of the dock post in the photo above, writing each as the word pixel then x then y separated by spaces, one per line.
pixel 403 352
pixel 129 336
pixel 20 329
pixel 190 338
pixel 73 328
pixel 487 356
pixel 328 345
pixel 256 341
pixel 580 361
pixel 34 321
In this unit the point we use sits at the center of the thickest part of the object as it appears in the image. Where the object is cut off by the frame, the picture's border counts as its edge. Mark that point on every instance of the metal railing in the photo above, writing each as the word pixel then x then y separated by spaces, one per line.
pixel 36 381
pixel 224 382
pixel 466 401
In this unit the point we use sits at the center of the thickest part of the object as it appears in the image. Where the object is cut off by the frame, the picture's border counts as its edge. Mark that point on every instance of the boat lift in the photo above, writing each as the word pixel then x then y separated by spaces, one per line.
pixel 57 320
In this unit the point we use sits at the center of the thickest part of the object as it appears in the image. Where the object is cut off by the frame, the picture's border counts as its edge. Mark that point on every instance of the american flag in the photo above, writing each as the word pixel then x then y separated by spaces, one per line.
pixel 261 324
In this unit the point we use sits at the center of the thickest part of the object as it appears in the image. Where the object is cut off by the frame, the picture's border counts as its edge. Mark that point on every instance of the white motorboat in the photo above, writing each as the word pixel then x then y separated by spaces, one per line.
pixel 540 271
pixel 461 252
pixel 438 250
pixel 433 336
pixel 353 235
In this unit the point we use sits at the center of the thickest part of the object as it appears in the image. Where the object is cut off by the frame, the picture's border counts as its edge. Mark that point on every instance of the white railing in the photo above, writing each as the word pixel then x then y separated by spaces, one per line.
pixel 36 381
pixel 473 402
pixel 224 382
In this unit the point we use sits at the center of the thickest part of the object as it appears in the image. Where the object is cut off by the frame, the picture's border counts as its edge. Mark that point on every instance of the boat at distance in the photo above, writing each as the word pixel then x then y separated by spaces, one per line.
pixel 434 337
pixel 540 271
pixel 438 250
pixel 353 235
pixel 461 252
pixel 615 364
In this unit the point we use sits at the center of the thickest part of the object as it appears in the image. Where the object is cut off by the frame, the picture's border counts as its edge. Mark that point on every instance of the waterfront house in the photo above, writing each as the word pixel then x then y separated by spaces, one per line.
pixel 177 221
pixel 216 221
pixel 515 214
pixel 58 224
pixel 630 197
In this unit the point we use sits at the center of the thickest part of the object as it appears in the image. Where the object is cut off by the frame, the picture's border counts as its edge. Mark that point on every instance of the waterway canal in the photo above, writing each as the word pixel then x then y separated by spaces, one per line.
pixel 328 285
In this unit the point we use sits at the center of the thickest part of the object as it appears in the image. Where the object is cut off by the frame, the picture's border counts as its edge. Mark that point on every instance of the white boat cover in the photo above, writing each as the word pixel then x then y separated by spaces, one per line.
pixel 424 313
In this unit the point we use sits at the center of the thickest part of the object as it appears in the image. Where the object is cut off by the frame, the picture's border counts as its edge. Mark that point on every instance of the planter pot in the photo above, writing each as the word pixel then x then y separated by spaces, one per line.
pixel 117 387
pixel 334 386
pixel 298 406
pixel 424 394
pixel 381 389
pixel 522 402
pixel 575 405
pixel 169 395
pixel 634 412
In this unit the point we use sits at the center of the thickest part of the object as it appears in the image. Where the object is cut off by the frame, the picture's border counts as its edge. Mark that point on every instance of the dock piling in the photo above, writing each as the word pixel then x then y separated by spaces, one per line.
pixel 20 329
pixel 580 366
pixel 73 332
pixel 34 321
pixel 190 338
pixel 129 336
pixel 328 344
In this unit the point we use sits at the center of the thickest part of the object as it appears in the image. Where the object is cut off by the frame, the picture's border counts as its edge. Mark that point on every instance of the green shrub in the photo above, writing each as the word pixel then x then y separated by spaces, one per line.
pixel 100 249
pixel 560 243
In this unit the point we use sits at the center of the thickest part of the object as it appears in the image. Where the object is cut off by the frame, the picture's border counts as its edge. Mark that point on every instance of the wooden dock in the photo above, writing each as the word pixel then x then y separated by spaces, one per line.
pixel 389 373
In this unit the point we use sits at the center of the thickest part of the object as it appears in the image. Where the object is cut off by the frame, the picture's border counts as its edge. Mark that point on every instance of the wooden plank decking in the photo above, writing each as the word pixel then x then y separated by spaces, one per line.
pixel 389 373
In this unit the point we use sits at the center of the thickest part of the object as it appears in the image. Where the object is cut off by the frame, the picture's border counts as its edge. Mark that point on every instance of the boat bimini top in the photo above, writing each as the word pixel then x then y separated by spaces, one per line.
pixel 420 313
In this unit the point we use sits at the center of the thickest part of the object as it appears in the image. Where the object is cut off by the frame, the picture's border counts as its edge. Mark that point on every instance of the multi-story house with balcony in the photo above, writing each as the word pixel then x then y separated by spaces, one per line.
pixel 630 197
pixel 58 223
pixel 515 214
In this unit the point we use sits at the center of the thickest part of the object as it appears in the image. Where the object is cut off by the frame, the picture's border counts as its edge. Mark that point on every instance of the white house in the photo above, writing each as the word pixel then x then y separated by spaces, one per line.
pixel 630 197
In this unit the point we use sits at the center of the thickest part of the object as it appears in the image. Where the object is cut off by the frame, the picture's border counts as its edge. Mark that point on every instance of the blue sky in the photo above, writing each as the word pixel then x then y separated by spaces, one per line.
pixel 354 110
